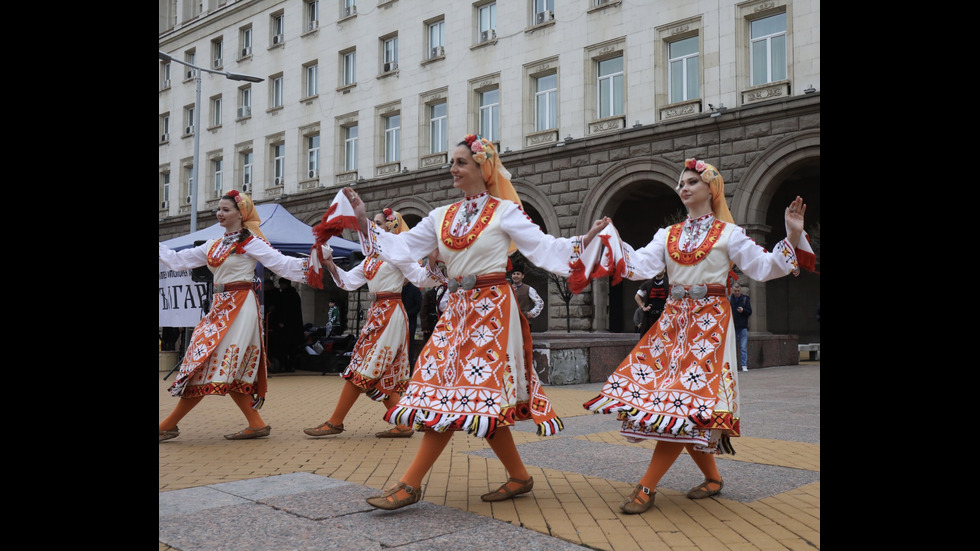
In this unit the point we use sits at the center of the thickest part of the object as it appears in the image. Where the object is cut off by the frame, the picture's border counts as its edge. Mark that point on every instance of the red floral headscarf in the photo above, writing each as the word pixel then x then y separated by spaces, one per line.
pixel 711 176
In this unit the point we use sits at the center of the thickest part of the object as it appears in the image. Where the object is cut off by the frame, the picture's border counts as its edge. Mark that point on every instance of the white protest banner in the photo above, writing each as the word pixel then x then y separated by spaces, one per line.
pixel 181 299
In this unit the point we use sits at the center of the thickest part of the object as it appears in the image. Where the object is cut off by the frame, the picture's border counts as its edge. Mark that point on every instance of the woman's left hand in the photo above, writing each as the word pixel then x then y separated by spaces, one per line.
pixel 597 227
pixel 359 209
pixel 794 220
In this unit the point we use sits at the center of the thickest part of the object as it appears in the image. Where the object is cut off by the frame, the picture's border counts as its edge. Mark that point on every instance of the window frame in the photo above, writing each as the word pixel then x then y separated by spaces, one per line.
pixel 311 73
pixel 552 112
pixel 350 146
pixel 391 138
pixel 767 40
pixel 684 63
pixel 611 79
pixel 494 118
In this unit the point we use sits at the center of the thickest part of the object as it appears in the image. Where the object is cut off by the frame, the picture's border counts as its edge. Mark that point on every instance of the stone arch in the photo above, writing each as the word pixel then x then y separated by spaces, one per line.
pixel 413 206
pixel 758 183
pixel 600 199
pixel 783 305
pixel 536 198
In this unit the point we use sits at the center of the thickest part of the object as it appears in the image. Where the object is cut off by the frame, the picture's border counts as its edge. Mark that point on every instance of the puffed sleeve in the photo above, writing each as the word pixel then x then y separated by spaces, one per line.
pixel 186 259
pixel 758 263
pixel 290 267
pixel 351 280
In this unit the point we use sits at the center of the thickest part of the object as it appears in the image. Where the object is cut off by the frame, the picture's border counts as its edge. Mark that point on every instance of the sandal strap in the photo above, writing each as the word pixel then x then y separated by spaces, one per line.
pixel 400 486
pixel 704 485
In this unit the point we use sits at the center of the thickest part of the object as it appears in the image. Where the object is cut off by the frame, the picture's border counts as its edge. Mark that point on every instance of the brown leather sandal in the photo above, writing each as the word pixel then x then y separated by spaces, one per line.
pixel 168 434
pixel 503 492
pixel 702 490
pixel 631 507
pixel 382 501
pixel 395 432
pixel 248 433
pixel 325 429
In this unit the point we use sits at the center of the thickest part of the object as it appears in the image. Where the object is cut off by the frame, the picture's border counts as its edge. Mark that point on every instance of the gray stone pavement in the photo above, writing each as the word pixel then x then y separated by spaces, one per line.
pixel 290 491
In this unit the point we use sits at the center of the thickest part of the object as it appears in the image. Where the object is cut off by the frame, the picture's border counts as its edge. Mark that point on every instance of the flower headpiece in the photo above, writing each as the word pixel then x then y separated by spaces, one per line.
pixel 695 165
pixel 393 220
pixel 235 195
pixel 482 148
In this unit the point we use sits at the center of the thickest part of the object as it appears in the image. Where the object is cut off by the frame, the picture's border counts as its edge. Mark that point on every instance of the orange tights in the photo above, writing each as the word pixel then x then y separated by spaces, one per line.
pixel 664 456
pixel 433 444
pixel 348 395
pixel 185 405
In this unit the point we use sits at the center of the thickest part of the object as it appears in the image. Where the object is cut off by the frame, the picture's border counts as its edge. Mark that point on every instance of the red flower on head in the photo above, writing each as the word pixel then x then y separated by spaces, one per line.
pixel 469 139
pixel 235 195
pixel 389 214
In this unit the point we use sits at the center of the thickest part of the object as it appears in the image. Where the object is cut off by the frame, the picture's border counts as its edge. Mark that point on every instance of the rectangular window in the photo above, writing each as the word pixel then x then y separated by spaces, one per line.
pixel 189 120
pixel 437 128
pixel 610 87
pixel 350 148
pixel 350 68
pixel 350 8
pixel 216 111
pixel 768 49
pixel 216 49
pixel 490 114
pixel 436 39
pixel 279 163
pixel 312 15
pixel 311 71
pixel 165 127
pixel 189 58
pixel 544 11
pixel 487 16
pixel 684 73
pixel 217 165
pixel 246 97
pixel 392 138
pixel 278 28
pixel 166 187
pixel 277 91
pixel 246 41
pixel 247 171
pixel 313 156
pixel 166 76
pixel 546 102
pixel 391 54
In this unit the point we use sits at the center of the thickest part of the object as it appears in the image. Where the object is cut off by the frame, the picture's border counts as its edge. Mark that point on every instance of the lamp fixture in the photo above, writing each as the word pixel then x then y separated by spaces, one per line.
pixel 637 124
pixel 810 90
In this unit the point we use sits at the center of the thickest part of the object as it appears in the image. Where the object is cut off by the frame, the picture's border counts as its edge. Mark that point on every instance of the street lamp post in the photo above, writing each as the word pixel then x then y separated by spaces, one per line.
pixel 197 122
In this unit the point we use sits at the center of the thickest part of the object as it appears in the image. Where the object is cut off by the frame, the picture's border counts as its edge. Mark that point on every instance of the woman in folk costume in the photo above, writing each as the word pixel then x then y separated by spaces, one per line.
pixel 379 362
pixel 474 374
pixel 679 384
pixel 227 354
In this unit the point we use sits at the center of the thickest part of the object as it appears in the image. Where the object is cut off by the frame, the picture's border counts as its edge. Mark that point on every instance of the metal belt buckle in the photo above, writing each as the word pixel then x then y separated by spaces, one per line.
pixel 677 292
pixel 468 282
pixel 453 285
pixel 697 292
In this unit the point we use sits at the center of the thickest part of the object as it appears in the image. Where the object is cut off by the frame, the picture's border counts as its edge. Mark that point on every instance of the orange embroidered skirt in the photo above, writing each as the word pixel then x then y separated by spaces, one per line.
pixel 678 383
pixel 226 352
pixel 379 361
pixel 475 371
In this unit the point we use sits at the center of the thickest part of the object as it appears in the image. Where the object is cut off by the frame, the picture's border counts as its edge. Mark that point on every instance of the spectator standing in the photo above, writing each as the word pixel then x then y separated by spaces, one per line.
pixel 412 300
pixel 290 322
pixel 741 310
pixel 651 298
pixel 333 319
pixel 528 300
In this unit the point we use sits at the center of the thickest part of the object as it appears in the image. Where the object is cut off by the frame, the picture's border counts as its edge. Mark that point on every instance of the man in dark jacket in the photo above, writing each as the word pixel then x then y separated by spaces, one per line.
pixel 741 310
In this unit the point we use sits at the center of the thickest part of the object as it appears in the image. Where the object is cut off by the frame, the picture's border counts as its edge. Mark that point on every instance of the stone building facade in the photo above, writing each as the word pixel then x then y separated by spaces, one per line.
pixel 766 143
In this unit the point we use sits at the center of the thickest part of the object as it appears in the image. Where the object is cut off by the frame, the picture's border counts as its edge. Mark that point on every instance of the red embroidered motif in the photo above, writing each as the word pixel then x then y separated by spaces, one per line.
pixel 371 266
pixel 698 254
pixel 482 221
